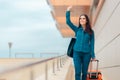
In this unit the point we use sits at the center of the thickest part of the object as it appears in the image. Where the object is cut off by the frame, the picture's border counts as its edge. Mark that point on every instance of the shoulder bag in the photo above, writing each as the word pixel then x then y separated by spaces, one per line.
pixel 70 47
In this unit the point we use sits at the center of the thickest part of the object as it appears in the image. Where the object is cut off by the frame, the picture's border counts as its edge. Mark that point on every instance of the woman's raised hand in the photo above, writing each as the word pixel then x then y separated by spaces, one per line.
pixel 69 8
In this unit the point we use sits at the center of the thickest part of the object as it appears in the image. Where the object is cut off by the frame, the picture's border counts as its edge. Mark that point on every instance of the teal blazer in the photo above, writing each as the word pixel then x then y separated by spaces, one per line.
pixel 84 41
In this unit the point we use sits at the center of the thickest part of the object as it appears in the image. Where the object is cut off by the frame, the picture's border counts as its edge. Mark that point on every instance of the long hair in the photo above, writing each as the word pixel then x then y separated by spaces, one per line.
pixel 88 26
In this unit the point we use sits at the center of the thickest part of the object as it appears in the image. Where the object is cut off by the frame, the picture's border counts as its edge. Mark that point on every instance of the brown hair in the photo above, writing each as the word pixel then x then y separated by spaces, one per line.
pixel 88 26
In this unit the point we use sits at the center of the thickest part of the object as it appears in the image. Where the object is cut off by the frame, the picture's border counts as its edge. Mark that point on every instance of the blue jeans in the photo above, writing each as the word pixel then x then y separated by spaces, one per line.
pixel 81 62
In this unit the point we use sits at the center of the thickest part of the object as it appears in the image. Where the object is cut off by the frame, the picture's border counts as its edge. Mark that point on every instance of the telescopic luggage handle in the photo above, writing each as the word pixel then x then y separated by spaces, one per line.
pixel 96 67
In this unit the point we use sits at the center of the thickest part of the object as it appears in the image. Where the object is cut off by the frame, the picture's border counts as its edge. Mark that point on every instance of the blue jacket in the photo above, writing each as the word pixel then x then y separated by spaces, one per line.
pixel 84 41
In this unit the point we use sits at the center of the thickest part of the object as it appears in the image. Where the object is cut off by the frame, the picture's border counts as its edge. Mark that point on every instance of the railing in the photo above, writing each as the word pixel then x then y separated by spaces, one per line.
pixel 41 70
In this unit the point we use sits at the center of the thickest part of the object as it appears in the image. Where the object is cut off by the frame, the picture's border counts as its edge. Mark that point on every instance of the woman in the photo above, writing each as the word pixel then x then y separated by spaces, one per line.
pixel 84 45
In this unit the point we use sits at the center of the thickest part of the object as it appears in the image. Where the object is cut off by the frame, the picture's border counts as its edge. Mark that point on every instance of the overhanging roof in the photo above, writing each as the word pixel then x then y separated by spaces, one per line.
pixel 58 9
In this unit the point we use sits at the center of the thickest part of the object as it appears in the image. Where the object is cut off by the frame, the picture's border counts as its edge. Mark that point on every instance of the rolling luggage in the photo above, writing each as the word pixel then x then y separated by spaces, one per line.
pixel 94 74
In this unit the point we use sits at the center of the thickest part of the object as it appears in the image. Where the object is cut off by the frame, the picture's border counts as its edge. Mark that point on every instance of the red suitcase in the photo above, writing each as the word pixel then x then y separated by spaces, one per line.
pixel 94 74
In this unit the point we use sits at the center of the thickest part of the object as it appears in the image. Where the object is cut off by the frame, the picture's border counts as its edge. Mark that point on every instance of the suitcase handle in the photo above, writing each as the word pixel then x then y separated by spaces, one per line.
pixel 95 60
pixel 96 67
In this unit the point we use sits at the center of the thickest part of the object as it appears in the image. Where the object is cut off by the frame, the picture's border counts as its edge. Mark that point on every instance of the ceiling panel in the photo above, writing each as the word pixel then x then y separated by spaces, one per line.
pixel 76 10
pixel 70 2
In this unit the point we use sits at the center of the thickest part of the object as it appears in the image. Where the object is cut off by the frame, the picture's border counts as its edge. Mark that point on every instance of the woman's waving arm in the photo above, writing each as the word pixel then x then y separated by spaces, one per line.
pixel 68 21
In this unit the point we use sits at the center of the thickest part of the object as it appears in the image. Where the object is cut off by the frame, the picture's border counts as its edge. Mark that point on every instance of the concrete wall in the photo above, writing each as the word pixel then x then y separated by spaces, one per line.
pixel 107 35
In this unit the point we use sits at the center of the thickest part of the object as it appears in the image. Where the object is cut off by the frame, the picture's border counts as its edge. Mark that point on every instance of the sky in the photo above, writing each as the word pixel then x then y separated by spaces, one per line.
pixel 29 26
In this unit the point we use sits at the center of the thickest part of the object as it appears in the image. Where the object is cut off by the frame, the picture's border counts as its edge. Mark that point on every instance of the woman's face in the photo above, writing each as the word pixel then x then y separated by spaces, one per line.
pixel 83 20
